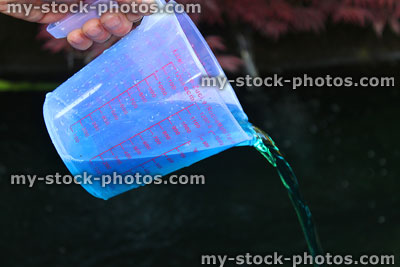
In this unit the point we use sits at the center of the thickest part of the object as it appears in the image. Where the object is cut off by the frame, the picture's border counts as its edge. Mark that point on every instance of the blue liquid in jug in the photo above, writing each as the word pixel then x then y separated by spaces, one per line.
pixel 161 148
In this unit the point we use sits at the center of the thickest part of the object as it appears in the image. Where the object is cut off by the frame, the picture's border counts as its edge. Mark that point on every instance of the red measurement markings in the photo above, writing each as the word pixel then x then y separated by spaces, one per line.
pixel 156 138
pixel 165 133
pixel 146 144
pixel 217 137
pixel 127 155
pixel 151 90
pixel 204 142
pixel 170 81
pixel 137 150
pixel 105 163
pixel 133 101
pixel 154 160
pixel 116 158
pixel 127 93
pixel 204 117
pixel 122 106
pixel 169 64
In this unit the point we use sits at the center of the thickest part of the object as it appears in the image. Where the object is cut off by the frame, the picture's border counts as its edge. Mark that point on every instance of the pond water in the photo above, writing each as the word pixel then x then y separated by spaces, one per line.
pixel 342 143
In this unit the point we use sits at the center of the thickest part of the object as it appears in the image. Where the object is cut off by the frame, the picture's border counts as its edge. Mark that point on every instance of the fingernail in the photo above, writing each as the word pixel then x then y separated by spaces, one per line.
pixel 94 31
pixel 113 21
pixel 77 40
pixel 134 18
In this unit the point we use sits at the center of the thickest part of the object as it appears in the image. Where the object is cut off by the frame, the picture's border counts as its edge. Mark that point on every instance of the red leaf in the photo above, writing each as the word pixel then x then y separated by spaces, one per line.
pixel 230 63
pixel 216 43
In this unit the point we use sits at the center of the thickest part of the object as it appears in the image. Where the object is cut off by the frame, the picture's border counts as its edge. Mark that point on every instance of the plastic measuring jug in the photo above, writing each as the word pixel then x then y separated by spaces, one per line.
pixel 140 107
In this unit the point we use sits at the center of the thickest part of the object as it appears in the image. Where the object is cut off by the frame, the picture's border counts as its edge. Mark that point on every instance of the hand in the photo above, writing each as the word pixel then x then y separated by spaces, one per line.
pixel 93 31
pixel 101 30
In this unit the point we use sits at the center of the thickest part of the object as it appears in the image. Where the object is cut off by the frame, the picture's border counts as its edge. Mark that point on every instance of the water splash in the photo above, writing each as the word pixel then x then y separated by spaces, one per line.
pixel 266 146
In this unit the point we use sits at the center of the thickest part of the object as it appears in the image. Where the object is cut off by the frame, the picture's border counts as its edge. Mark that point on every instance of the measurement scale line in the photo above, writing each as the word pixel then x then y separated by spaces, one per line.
pixel 139 134
pixel 153 159
pixel 126 91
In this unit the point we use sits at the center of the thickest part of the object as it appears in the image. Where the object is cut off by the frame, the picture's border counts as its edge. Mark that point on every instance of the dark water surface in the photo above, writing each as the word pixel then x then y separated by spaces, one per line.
pixel 342 143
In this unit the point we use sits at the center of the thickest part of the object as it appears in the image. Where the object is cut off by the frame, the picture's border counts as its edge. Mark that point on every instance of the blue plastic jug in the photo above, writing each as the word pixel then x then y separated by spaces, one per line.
pixel 140 108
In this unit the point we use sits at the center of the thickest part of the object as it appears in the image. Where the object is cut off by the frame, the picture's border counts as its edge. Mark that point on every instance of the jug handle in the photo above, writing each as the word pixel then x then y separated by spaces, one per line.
pixel 62 28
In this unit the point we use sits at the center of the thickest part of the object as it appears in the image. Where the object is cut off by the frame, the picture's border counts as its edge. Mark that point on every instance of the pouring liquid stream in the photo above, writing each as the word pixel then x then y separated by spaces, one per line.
pixel 266 146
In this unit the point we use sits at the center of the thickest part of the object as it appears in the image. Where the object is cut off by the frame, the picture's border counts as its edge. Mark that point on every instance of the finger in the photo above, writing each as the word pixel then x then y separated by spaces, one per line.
pixel 79 40
pixel 94 30
pixel 136 24
pixel 116 23
pixel 132 17
pixel 148 6
pixel 50 18
pixel 135 18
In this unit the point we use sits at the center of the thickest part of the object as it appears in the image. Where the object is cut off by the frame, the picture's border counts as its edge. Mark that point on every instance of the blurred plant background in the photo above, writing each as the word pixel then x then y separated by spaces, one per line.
pixel 271 19
pixel 342 142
